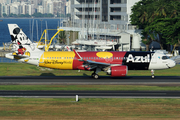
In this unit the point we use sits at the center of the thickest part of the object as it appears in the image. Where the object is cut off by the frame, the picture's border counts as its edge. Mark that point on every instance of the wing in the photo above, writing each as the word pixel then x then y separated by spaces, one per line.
pixel 92 65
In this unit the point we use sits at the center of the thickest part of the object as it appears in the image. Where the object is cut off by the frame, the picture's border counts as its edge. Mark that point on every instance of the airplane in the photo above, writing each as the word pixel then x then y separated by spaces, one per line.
pixel 114 63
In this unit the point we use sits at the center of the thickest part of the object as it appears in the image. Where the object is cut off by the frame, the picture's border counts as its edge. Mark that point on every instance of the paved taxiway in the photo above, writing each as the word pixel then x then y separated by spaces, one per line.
pixel 87 80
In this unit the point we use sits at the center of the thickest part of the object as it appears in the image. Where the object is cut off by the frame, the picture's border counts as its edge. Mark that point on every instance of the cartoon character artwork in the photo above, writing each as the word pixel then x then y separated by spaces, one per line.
pixel 18 40
pixel 21 49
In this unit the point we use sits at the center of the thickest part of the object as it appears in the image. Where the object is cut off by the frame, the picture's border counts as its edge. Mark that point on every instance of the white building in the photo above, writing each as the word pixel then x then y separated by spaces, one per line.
pixel 50 7
pixel 1 1
pixel 106 19
pixel 5 9
pixel 68 7
pixel 47 6
pixel 40 9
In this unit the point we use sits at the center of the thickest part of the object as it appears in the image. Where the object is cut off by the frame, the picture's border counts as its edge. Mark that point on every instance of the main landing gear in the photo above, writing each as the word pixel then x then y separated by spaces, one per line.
pixel 152 74
pixel 95 73
pixel 95 76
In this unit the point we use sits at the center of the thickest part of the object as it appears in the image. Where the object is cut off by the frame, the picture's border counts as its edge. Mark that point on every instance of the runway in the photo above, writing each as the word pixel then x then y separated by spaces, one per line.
pixel 92 94
pixel 87 80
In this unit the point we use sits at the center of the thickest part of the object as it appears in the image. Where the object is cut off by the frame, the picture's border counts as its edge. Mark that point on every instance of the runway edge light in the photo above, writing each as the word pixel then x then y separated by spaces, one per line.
pixel 76 98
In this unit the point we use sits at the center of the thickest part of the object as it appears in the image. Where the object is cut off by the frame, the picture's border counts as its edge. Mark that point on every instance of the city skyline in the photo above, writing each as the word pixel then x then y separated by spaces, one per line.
pixel 55 7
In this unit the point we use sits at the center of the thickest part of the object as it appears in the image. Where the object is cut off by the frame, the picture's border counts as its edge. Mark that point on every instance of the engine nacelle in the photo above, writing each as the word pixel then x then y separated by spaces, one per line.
pixel 118 71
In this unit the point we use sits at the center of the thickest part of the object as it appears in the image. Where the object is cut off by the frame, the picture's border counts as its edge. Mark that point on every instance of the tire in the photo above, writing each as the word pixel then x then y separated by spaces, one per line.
pixel 92 75
pixel 96 76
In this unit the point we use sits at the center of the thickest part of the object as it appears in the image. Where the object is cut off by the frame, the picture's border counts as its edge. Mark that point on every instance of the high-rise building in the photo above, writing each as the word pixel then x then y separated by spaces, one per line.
pixel 2 1
pixel 5 9
pixel 106 19
pixel 0 10
pixel 8 1
pixel 108 11
pixel 40 9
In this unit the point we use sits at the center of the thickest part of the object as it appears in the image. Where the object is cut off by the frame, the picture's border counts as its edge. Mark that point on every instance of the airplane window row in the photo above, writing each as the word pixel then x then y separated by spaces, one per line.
pixel 61 57
pixel 84 58
pixel 103 58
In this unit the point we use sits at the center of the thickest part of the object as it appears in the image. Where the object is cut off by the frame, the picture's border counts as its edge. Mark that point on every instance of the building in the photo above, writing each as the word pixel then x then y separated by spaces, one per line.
pixel 106 19
pixel 1 1
pixel 0 10
pixel 5 9
pixel 108 11
pixel 40 9
pixel 30 7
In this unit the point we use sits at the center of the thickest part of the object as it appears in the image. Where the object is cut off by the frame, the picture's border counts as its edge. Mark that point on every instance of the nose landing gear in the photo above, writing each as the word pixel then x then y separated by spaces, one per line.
pixel 152 74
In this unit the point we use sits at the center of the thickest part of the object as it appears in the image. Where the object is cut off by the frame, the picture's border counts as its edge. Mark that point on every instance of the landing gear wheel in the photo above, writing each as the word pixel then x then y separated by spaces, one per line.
pixel 92 75
pixel 152 76
pixel 96 76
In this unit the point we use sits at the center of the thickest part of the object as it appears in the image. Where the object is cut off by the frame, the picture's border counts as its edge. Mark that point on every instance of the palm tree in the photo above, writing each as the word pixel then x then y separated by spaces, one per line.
pixel 62 37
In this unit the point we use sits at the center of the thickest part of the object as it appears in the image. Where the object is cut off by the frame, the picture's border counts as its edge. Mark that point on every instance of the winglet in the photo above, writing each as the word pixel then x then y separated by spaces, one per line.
pixel 78 56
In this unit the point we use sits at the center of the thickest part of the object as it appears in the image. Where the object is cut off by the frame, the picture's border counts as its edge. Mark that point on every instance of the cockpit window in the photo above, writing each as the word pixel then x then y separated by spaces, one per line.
pixel 165 57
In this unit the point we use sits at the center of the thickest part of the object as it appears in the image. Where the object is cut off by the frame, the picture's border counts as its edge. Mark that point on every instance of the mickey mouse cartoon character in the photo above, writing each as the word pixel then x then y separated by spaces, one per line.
pixel 21 49
pixel 18 39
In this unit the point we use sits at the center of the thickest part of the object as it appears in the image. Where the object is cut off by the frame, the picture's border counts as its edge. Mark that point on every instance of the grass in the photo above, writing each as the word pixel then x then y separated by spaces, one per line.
pixel 21 69
pixel 90 87
pixel 88 109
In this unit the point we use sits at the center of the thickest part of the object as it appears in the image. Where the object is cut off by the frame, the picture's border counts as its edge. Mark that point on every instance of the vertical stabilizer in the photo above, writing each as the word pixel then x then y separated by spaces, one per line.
pixel 21 43
pixel 17 35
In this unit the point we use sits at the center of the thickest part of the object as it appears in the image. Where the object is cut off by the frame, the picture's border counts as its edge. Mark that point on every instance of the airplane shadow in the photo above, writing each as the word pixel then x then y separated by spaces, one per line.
pixel 84 74
pixel 47 74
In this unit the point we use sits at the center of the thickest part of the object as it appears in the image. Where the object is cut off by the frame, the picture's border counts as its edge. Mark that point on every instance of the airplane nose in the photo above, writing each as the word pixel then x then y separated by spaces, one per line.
pixel 171 63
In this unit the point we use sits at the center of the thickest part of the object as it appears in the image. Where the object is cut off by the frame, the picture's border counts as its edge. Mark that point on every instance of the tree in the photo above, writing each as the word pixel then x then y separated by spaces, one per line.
pixel 167 28
pixel 141 13
pixel 156 18
pixel 4 15
pixel 163 25
pixel 62 37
